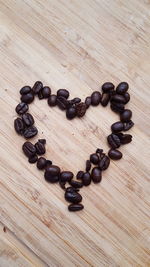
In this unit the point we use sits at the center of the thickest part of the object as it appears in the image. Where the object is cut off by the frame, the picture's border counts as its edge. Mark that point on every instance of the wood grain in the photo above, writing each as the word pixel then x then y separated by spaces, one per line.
pixel 76 45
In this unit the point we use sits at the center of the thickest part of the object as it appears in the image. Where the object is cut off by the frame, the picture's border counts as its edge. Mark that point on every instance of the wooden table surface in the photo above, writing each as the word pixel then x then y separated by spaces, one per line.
pixel 76 45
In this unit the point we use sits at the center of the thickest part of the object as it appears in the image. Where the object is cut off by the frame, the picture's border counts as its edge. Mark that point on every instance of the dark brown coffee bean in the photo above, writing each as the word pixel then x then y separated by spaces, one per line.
pixel 52 174
pixel 43 141
pixel 104 163
pixel 94 158
pixel 30 132
pixel 79 175
pixel 128 125
pixel 88 166
pixel 28 119
pixel 118 99
pixel 33 159
pixel 41 163
pixel 19 126
pixel 125 138
pixel 75 207
pixel 76 100
pixel 113 140
pixel 105 99
pixel 75 184
pixel 88 101
pixel 71 113
pixel 40 95
pixel 40 148
pixel 62 102
pixel 27 98
pixel 127 97
pixel 81 109
pixel 29 149
pixel 114 154
pixel 72 189
pixel 46 91
pixel 99 151
pixel 96 175
pixel 66 176
pixel 117 127
pixel 95 98
pixel 37 87
pixel 63 92
pixel 62 185
pixel 25 90
pixel 126 115
pixel 52 100
pixel 86 179
pixel 117 107
pixel 73 197
pixel 122 88
pixel 21 108
pixel 107 87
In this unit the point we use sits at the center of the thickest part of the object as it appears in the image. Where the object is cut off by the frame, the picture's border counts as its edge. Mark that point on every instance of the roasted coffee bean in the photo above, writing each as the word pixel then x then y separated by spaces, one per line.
pixel 29 149
pixel 88 101
pixel 117 127
pixel 81 109
pixel 117 107
pixel 41 163
pixel 96 175
pixel 33 159
pixel 127 97
pixel 61 102
pixel 19 126
pixel 46 91
pixel 21 108
pixel 94 158
pixel 75 207
pixel 28 119
pixel 66 176
pixel 99 151
pixel 128 125
pixel 105 99
pixel 125 138
pixel 27 98
pixel 114 154
pixel 95 98
pixel 88 166
pixel 25 90
pixel 30 132
pixel 122 88
pixel 40 95
pixel 118 99
pixel 79 175
pixel 71 113
pixel 75 184
pixel 62 185
pixel 43 141
pixel 63 92
pixel 40 148
pixel 107 87
pixel 126 115
pixel 37 87
pixel 52 174
pixel 72 189
pixel 86 179
pixel 113 140
pixel 76 100
pixel 48 163
pixel 104 163
pixel 73 197
pixel 52 100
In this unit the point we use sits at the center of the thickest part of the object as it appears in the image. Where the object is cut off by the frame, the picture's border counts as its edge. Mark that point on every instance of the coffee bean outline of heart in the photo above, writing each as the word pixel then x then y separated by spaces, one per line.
pixel 24 125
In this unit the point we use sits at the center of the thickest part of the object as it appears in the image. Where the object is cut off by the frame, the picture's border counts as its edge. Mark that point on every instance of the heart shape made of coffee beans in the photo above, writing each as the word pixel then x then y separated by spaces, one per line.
pixel 24 125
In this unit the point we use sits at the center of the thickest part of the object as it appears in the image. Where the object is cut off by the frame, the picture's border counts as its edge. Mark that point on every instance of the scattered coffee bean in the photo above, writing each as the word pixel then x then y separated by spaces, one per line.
pixel 30 132
pixel 28 119
pixel 61 102
pixel 81 109
pixel 128 125
pixel 96 175
pixel 122 88
pixel 21 108
pixel 43 141
pixel 107 87
pixel 95 98
pixel 52 174
pixel 113 140
pixel 63 92
pixel 73 197
pixel 99 151
pixel 40 95
pixel 52 100
pixel 105 99
pixel 19 126
pixel 104 163
pixel 62 185
pixel 71 113
pixel 27 98
pixel 29 149
pixel 114 154
pixel 37 87
pixel 41 163
pixel 86 179
pixel 88 101
pixel 94 158
pixel 25 90
pixel 118 99
pixel 40 148
pixel 88 166
pixel 125 138
pixel 117 127
pixel 75 184
pixel 46 91
pixel 33 159
pixel 75 207
pixel 66 176
pixel 117 107
pixel 127 97
pixel 79 175
pixel 126 115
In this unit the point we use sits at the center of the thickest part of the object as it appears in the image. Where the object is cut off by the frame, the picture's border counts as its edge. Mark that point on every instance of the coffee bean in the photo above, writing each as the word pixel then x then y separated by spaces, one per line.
pixel 127 97
pixel 28 119
pixel 71 113
pixel 107 87
pixel 95 98
pixel 62 185
pixel 27 98
pixel 41 163
pixel 79 175
pixel 43 141
pixel 37 87
pixel 52 174
pixel 88 166
pixel 117 107
pixel 76 100
pixel 75 207
pixel 81 109
pixel 114 154
pixel 126 115
pixel 63 92
pixel 73 197
pixel 40 148
pixel 122 88
pixel 94 158
pixel 33 159
pixel 86 179
pixel 118 99
pixel 104 163
pixel 125 138
pixel 19 126
pixel 105 99
pixel 72 189
pixel 99 151
pixel 62 102
pixel 30 132
pixel 48 163
pixel 25 90
pixel 52 100
pixel 75 184
pixel 29 149
pixel 128 125
pixel 117 127
pixel 113 140
pixel 46 91
pixel 21 108
pixel 96 175
pixel 40 95
pixel 66 176
pixel 53 170
pixel 88 101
